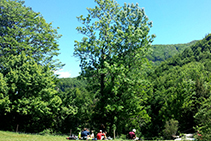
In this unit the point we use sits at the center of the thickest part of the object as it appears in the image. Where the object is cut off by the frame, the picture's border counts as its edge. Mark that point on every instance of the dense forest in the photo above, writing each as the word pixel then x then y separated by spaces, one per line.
pixel 162 52
pixel 180 87
pixel 125 81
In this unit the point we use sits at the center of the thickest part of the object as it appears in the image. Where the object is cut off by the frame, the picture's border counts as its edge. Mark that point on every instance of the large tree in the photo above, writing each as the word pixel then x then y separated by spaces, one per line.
pixel 22 29
pixel 112 54
pixel 27 91
pixel 29 97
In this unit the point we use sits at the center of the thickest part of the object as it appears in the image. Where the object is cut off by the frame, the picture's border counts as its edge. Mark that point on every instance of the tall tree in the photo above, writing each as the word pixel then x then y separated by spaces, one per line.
pixel 27 91
pixel 22 29
pixel 112 54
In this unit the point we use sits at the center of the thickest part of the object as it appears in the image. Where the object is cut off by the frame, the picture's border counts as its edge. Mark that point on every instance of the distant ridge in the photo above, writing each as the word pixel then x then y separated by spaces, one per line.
pixel 162 52
pixel 199 51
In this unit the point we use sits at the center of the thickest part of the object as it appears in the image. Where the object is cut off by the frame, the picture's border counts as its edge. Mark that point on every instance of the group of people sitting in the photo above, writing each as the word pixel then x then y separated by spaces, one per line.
pixel 86 135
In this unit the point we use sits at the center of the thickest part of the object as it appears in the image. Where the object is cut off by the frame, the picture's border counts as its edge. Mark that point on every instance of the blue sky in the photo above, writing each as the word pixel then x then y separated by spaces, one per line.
pixel 174 21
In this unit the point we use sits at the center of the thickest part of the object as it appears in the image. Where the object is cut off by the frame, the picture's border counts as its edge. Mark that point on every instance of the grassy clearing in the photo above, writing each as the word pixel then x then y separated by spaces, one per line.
pixel 11 136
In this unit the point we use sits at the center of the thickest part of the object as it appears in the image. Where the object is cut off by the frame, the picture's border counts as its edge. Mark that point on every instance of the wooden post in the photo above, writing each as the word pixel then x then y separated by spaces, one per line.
pixel 17 128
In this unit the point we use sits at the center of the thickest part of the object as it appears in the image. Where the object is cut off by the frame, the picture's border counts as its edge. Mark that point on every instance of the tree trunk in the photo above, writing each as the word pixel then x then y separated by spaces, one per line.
pixel 17 127
pixel 114 133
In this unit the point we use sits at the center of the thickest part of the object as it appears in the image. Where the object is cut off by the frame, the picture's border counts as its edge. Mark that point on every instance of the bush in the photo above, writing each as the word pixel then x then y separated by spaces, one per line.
pixel 123 136
pixel 46 132
pixel 171 128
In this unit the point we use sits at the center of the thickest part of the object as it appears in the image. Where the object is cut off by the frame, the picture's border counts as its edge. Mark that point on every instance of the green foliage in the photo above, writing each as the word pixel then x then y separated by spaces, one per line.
pixel 22 29
pixel 123 137
pixel 203 119
pixel 112 55
pixel 171 128
pixel 66 83
pixel 75 96
pixel 163 52
pixel 28 98
pixel 46 132
pixel 4 98
pixel 180 85
pixel 199 52
pixel 30 94
pixel 119 86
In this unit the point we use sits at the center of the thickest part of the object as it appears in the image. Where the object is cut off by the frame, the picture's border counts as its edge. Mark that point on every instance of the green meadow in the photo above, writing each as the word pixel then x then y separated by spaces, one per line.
pixel 12 136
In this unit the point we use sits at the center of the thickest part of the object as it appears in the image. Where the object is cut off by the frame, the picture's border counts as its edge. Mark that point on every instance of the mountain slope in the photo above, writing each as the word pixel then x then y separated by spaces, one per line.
pixel 163 52
pixel 180 85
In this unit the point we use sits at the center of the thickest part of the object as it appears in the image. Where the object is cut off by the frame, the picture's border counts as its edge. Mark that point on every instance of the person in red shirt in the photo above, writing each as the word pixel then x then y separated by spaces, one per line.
pixel 100 134
pixel 132 134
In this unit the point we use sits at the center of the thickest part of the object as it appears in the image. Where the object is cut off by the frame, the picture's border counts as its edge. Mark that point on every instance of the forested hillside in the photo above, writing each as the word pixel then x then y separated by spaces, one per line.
pixel 181 86
pixel 66 83
pixel 160 53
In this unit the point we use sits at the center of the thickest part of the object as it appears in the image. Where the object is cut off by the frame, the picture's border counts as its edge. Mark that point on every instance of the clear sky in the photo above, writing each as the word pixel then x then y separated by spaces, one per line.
pixel 174 21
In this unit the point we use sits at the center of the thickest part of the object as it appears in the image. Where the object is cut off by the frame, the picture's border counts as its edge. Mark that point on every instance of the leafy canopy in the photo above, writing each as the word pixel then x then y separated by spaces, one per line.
pixel 22 29
pixel 27 47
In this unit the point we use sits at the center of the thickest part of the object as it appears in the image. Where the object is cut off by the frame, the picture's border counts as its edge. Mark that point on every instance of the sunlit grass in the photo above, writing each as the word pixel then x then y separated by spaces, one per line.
pixel 11 136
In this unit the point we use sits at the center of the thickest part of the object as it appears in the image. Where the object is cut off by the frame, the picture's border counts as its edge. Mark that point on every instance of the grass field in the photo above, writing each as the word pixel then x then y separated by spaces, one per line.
pixel 11 136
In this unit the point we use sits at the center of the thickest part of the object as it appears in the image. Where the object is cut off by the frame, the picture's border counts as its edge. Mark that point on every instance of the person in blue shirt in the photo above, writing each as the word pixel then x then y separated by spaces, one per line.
pixel 84 134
